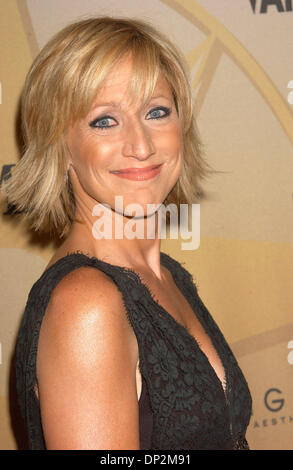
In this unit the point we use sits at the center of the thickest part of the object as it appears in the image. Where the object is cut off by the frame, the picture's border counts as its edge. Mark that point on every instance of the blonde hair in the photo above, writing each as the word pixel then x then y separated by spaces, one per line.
pixel 60 88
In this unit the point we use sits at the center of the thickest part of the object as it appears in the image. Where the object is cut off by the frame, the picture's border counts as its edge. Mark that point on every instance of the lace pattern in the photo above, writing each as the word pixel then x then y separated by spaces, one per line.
pixel 190 408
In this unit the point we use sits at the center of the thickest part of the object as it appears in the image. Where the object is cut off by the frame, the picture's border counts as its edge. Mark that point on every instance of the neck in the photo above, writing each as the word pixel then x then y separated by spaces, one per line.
pixel 118 239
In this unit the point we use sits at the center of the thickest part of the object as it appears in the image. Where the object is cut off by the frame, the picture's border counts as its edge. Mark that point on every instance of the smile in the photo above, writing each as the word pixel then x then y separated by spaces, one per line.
pixel 138 174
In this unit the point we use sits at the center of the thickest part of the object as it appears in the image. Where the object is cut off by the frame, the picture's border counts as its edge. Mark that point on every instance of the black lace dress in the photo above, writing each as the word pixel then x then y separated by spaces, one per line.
pixel 183 404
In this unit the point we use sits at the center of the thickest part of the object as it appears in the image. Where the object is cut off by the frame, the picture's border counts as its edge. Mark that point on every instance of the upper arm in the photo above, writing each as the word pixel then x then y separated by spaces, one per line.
pixel 86 363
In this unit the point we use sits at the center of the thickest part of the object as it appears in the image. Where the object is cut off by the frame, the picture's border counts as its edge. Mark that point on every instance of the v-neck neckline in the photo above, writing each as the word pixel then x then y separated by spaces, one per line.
pixel 166 262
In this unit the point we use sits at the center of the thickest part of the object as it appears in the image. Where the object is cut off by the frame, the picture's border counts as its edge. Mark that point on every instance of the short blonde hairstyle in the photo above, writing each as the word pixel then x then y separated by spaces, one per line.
pixel 60 88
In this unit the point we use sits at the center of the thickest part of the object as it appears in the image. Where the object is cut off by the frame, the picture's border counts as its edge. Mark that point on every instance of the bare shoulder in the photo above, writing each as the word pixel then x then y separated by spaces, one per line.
pixel 87 297
pixel 83 286
pixel 87 286
pixel 86 362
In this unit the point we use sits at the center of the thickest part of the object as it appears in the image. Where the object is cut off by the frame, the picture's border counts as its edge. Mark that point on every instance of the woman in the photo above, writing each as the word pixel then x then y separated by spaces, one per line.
pixel 116 349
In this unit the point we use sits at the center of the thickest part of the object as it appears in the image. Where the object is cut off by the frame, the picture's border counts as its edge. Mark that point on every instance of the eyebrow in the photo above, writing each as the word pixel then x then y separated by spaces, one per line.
pixel 117 105
pixel 101 105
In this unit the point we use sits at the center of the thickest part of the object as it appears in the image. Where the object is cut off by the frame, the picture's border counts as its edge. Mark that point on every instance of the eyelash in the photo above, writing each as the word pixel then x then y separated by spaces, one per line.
pixel 93 124
pixel 167 111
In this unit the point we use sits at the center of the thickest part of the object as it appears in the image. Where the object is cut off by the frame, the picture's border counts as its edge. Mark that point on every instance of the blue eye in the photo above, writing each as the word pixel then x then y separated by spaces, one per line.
pixel 103 122
pixel 159 112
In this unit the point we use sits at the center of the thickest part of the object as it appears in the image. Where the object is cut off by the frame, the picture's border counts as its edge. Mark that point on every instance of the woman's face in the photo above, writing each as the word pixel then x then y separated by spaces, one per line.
pixel 122 149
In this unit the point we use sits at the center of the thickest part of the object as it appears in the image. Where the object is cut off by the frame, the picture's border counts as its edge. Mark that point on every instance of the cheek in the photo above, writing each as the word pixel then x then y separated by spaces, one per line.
pixel 174 144
pixel 79 147
pixel 85 152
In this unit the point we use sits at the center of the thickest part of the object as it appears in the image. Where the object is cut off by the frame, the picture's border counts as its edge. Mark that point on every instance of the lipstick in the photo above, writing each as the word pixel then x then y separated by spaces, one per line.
pixel 138 174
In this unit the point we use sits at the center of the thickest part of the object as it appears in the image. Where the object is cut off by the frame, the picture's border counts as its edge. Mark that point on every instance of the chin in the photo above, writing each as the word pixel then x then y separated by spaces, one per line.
pixel 139 200
pixel 141 208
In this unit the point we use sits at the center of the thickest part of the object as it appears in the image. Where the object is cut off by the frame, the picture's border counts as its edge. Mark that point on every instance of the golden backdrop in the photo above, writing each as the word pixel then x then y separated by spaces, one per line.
pixel 240 57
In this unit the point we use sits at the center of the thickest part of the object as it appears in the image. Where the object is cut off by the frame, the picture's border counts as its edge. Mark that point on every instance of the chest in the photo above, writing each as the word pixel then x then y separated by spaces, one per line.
pixel 177 308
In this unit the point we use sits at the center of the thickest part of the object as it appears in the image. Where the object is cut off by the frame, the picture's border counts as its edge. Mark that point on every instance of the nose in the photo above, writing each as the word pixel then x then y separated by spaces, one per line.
pixel 138 142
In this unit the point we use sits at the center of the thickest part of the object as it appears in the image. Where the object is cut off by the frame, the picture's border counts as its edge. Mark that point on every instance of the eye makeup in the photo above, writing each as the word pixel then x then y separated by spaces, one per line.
pixel 103 122
pixel 157 109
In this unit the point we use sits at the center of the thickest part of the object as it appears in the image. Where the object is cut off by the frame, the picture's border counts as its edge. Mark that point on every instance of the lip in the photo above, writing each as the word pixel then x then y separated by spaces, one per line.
pixel 138 174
